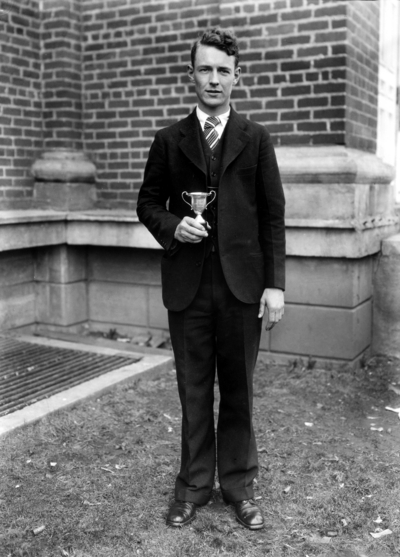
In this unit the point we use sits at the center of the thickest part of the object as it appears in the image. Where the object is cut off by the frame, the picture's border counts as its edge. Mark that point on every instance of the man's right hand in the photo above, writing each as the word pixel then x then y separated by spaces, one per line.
pixel 189 230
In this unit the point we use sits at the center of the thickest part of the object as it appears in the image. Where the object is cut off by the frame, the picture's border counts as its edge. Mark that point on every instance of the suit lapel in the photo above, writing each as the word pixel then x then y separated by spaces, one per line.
pixel 235 139
pixel 190 143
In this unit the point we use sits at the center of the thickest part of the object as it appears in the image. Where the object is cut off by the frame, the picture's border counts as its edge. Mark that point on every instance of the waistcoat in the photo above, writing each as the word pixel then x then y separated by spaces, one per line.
pixel 213 161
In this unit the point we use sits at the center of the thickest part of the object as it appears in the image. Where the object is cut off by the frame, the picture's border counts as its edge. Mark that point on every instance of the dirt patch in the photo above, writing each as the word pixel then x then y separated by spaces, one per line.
pixel 99 478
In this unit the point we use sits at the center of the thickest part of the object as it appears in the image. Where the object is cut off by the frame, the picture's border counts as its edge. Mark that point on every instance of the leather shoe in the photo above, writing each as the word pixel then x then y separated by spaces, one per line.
pixel 181 513
pixel 248 513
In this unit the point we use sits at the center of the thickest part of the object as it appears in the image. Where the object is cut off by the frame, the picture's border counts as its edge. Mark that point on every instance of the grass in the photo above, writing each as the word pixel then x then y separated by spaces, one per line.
pixel 99 477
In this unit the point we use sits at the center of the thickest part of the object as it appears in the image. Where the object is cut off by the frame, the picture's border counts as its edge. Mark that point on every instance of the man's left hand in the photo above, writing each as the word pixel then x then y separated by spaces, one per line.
pixel 273 301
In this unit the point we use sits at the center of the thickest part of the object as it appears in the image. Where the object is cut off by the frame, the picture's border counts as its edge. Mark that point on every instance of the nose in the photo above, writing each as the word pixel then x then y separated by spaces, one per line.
pixel 214 78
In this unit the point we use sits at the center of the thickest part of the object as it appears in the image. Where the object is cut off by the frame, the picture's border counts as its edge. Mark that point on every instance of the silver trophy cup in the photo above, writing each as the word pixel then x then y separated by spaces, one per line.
pixel 199 203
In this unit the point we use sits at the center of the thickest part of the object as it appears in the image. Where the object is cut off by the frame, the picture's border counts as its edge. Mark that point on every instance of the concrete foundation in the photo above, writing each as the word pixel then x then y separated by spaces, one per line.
pixel 387 298
pixel 100 270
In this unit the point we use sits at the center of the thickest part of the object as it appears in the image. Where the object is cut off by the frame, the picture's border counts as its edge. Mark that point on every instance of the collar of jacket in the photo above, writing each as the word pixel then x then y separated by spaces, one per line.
pixel 235 140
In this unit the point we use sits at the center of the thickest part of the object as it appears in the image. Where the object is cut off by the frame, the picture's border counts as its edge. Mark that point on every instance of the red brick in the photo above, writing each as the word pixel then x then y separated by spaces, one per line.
pixel 299 39
pixel 314 25
pixel 280 78
pixel 338 8
pixel 330 36
pixel 248 105
pixel 329 88
pixel 330 113
pixel 296 14
pixel 295 115
pixel 313 101
pixel 338 100
pixel 279 54
pixel 279 104
pixel 263 92
pixel 263 117
pixel 261 19
pixel 281 127
pixel 311 126
pixel 330 61
pixel 295 65
pixel 296 91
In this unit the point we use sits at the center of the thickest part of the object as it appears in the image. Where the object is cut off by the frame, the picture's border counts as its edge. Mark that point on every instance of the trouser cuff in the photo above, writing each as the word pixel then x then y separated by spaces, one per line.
pixel 239 494
pixel 200 497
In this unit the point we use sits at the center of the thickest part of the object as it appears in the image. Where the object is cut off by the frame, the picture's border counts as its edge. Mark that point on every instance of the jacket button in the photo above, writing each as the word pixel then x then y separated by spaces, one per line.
pixel 198 263
pixel 213 158
pixel 213 174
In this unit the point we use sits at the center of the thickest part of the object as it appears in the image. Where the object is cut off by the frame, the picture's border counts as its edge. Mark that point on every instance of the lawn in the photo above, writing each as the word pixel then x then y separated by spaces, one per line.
pixel 97 480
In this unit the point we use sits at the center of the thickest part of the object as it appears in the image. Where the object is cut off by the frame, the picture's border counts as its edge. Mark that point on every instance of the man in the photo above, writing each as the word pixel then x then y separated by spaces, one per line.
pixel 217 279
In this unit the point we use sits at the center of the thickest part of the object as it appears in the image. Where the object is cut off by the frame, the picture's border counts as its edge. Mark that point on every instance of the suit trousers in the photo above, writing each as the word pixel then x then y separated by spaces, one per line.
pixel 216 332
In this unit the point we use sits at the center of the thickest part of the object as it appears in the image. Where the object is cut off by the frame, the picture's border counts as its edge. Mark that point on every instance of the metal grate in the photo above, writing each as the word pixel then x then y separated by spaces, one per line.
pixel 31 372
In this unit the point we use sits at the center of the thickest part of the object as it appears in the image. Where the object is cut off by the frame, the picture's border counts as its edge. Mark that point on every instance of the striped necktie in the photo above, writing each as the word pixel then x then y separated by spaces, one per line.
pixel 211 135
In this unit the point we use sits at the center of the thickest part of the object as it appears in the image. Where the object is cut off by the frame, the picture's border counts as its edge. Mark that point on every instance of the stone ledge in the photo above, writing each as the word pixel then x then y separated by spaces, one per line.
pixel 305 237
pixel 330 164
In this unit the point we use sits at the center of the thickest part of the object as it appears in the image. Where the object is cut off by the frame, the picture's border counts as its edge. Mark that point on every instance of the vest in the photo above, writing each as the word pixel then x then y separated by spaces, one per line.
pixel 213 162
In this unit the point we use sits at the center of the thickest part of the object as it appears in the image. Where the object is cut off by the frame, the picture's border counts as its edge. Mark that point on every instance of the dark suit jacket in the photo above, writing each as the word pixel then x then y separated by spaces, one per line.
pixel 251 232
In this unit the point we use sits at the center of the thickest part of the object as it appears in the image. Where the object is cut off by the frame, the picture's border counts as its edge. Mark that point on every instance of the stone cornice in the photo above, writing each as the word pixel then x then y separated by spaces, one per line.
pixel 331 164
pixel 318 238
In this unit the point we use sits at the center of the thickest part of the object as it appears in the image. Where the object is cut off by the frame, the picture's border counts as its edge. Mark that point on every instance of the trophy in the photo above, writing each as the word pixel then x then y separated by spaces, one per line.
pixel 198 203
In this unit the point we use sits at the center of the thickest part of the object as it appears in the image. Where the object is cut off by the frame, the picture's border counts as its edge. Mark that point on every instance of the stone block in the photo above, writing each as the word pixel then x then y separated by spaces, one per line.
pixel 158 314
pixel 331 164
pixel 337 201
pixel 109 231
pixel 328 281
pixel 23 235
pixel 64 196
pixel 386 312
pixel 61 264
pixel 118 303
pixel 61 304
pixel 63 165
pixel 324 332
pixel 326 240
pixel 17 305
pixel 16 267
pixel 136 266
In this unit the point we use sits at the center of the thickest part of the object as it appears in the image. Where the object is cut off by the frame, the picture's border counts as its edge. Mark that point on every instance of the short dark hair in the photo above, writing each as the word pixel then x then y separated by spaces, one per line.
pixel 218 38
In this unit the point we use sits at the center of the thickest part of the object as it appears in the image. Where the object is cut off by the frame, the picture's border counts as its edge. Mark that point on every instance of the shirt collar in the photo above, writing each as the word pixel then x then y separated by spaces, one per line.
pixel 202 116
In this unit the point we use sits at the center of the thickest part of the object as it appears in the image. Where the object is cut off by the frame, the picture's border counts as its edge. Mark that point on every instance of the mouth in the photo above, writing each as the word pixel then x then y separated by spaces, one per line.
pixel 213 92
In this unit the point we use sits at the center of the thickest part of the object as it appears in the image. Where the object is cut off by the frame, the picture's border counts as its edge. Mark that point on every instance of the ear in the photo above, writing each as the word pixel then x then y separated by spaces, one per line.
pixel 237 75
pixel 190 72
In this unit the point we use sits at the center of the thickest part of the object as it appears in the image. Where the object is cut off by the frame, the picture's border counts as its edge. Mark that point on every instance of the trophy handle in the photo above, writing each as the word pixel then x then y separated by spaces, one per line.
pixel 186 193
pixel 211 200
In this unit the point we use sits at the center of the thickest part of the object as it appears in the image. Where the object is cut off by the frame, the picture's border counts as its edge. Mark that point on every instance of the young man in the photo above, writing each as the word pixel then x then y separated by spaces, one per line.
pixel 217 279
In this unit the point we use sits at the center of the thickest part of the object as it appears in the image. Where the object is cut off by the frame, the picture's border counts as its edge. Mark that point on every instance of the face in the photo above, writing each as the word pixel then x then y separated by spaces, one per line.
pixel 213 75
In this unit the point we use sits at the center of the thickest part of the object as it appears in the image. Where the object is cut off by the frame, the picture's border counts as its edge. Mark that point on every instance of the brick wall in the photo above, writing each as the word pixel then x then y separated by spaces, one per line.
pixel 362 75
pixel 293 58
pixel 114 73
pixel 20 104
pixel 61 54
